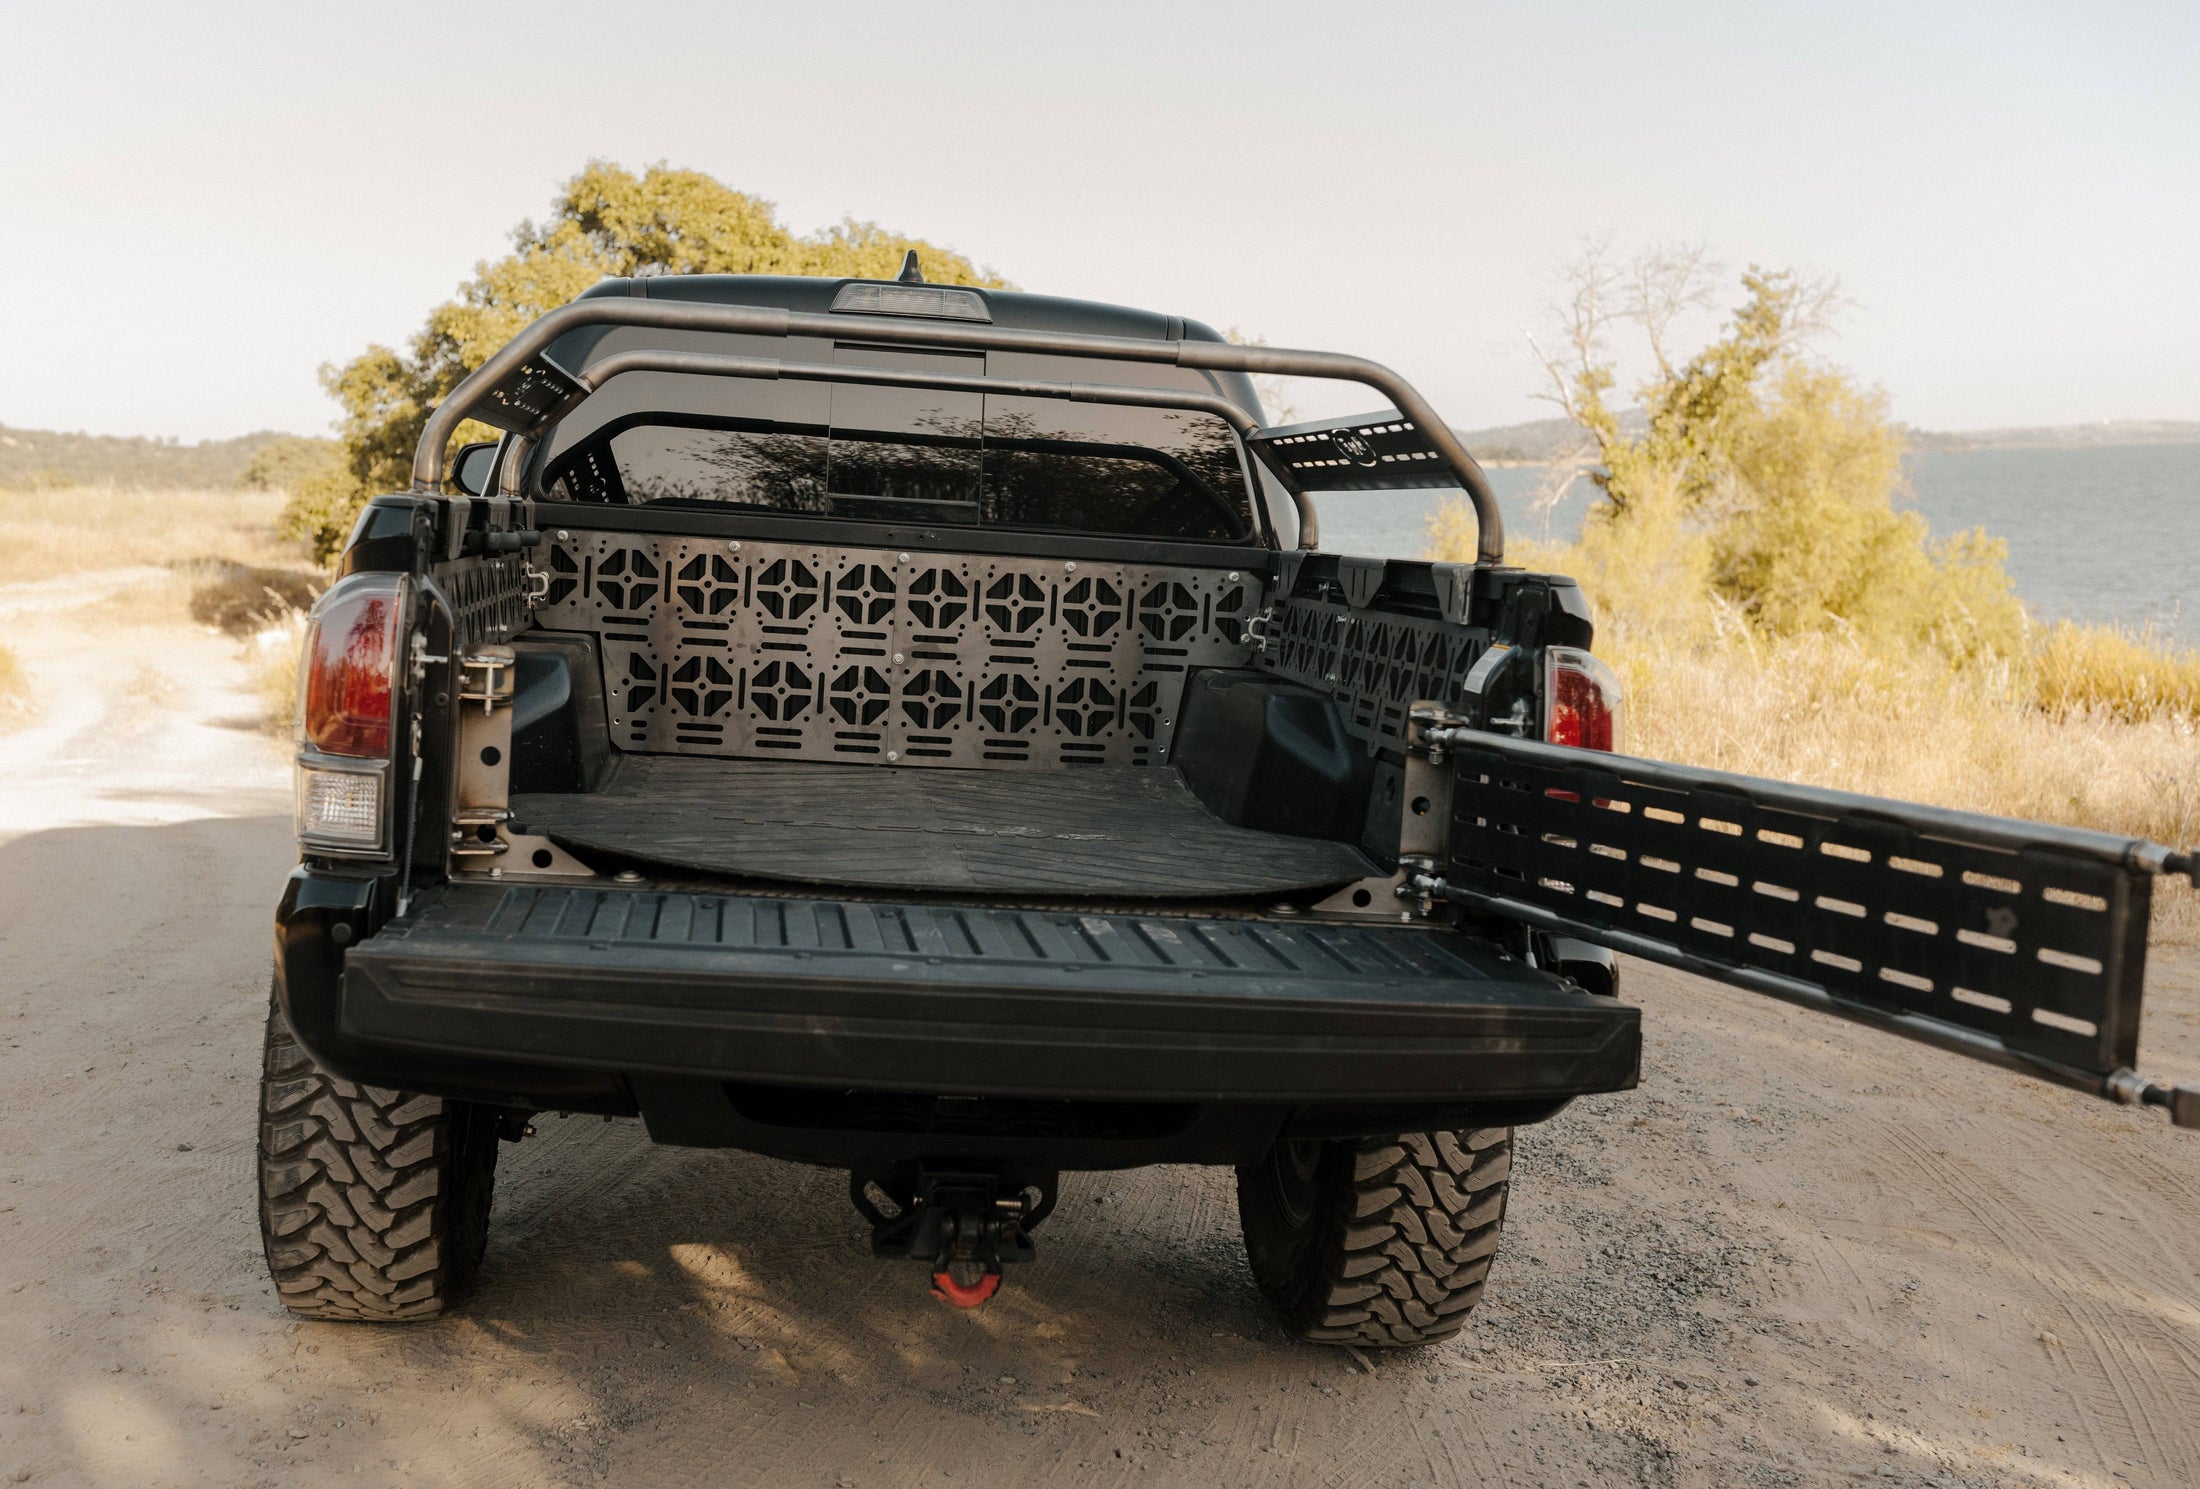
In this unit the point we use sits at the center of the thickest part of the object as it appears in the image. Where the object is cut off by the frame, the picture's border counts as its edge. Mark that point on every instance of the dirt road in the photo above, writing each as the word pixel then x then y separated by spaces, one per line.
pixel 1801 1254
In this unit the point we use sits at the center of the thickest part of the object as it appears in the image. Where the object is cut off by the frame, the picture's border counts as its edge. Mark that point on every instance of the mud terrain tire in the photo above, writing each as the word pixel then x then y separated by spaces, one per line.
pixel 1380 1242
pixel 374 1204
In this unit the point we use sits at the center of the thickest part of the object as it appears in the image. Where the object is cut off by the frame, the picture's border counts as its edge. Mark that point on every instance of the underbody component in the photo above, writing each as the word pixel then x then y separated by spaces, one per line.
pixel 963 1224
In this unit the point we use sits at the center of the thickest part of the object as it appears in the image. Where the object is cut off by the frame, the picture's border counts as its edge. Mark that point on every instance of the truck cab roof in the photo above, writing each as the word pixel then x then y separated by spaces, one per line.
pixel 1011 309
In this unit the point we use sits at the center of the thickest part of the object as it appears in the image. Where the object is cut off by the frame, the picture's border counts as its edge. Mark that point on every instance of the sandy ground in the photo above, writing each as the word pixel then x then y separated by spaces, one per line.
pixel 1801 1254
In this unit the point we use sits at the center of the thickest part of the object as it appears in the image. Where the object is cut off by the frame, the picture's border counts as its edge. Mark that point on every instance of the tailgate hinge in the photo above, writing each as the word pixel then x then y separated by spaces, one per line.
pixel 487 677
pixel 1424 821
pixel 481 825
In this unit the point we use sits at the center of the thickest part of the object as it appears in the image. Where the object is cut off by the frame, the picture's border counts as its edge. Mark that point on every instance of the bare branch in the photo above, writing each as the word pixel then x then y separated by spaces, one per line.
pixel 1663 283
pixel 1590 280
pixel 1559 480
pixel 1816 302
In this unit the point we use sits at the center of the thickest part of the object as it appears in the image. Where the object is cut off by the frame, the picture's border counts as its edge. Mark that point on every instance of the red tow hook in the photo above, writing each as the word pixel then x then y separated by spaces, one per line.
pixel 947 1288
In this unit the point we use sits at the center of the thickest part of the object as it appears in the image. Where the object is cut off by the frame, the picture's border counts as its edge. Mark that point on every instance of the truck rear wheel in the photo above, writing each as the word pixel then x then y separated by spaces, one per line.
pixel 1376 1241
pixel 374 1203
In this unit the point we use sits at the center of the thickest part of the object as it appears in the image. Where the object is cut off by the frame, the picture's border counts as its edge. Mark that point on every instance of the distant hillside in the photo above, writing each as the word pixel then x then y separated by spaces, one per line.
pixel 43 457
pixel 1537 442
pixel 1545 440
pixel 2061 436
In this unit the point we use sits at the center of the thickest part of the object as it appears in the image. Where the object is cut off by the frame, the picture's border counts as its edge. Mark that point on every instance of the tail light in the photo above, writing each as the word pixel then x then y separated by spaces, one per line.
pixel 1582 705
pixel 347 698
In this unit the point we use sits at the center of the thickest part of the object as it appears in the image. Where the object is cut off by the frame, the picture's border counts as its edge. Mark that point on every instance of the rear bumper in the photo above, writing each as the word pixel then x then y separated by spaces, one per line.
pixel 569 989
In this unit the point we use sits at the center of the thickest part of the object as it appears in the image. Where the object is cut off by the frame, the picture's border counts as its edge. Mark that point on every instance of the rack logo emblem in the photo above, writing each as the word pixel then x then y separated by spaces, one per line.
pixel 1354 446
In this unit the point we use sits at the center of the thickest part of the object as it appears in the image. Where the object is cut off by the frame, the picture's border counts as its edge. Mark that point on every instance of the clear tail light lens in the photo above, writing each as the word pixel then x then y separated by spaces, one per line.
pixel 340 806
pixel 1582 704
pixel 347 695
pixel 348 676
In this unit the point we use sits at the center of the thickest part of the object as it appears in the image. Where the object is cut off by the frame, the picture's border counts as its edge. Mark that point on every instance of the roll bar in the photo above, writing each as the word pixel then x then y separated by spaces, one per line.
pixel 711 364
pixel 518 362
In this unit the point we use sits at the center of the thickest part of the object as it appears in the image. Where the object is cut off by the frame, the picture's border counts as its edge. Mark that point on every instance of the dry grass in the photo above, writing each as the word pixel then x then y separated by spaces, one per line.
pixel 2102 669
pixel 15 691
pixel 66 530
pixel 238 599
pixel 224 566
pixel 1822 710
pixel 275 659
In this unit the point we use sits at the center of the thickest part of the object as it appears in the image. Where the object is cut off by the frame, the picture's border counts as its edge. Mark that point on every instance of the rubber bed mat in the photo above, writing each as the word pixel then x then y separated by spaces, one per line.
pixel 1134 830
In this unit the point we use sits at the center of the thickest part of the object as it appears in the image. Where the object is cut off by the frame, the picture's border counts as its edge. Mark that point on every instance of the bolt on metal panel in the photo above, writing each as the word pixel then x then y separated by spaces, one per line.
pixel 774 650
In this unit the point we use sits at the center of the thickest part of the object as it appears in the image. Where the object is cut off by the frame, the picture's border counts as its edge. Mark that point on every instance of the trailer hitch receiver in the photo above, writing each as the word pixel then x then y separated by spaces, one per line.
pixel 962 1224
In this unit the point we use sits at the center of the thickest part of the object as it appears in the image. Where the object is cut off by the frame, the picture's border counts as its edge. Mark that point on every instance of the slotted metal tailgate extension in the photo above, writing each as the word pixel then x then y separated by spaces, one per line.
pixel 2013 942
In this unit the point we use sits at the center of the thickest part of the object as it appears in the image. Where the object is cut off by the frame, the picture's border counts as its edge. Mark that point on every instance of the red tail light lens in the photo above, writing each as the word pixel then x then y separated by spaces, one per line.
pixel 350 668
pixel 1582 705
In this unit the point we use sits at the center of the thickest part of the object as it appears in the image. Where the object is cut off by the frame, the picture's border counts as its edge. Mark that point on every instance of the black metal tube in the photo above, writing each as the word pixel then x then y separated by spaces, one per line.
pixel 711 364
pixel 673 315
pixel 509 466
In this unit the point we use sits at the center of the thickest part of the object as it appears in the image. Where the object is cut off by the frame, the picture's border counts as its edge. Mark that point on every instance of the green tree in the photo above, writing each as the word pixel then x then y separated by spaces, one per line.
pixel 291 461
pixel 1758 482
pixel 606 222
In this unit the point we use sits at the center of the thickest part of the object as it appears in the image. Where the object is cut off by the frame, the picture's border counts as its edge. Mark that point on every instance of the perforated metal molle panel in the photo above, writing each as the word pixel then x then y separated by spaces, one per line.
pixel 488 598
pixel 789 651
pixel 1375 664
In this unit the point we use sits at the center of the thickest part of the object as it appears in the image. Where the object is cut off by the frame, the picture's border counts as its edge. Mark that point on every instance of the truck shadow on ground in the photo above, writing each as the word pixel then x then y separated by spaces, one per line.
pixel 737 1255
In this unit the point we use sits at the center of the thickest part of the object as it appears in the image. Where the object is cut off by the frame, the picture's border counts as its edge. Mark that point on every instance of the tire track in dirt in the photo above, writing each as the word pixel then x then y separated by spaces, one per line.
pixel 2158 1407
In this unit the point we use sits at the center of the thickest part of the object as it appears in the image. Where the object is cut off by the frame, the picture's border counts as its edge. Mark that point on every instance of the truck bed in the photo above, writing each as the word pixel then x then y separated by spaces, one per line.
pixel 1102 830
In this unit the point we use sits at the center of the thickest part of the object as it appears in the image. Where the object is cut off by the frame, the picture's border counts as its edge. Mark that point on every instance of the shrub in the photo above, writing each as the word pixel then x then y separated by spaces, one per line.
pixel 242 599
pixel 2080 669
pixel 605 222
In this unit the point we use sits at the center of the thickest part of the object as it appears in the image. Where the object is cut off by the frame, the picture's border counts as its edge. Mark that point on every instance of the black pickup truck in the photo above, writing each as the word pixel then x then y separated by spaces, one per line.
pixel 913 730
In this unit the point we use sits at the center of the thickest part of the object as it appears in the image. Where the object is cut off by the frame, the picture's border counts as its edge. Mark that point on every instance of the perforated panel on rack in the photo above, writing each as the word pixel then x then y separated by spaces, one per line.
pixel 488 598
pixel 789 651
pixel 1376 664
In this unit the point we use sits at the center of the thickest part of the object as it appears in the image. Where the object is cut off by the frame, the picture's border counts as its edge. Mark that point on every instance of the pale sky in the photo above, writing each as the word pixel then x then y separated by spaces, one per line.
pixel 202 203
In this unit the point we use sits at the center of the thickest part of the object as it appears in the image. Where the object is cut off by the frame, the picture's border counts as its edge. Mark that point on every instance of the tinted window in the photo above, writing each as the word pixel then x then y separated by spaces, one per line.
pixel 1107 468
pixel 753 468
pixel 939 455
pixel 908 444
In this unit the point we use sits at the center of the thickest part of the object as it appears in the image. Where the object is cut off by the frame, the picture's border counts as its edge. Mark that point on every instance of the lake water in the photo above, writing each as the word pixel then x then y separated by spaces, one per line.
pixel 2105 534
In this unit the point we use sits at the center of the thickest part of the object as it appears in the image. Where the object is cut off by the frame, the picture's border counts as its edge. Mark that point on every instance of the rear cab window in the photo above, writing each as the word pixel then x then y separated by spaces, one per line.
pixel 940 456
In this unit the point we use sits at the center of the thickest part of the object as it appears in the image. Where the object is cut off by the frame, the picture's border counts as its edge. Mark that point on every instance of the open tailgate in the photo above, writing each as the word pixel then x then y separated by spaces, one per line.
pixel 979 1000
pixel 2015 942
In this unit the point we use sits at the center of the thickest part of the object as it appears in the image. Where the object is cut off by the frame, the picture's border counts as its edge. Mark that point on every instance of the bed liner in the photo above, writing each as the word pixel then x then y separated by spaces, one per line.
pixel 1099 830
